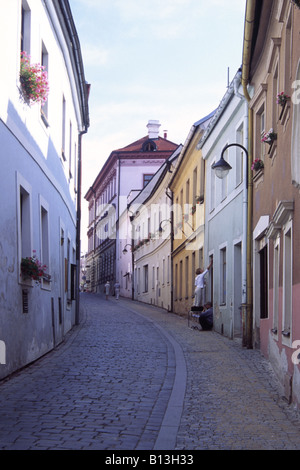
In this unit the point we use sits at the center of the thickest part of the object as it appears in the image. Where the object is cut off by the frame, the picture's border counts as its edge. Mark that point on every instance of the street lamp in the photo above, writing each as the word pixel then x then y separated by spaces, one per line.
pixel 124 249
pixel 160 229
pixel 222 169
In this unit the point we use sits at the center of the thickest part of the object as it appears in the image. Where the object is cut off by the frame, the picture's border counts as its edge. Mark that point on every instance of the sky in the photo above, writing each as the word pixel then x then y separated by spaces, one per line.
pixel 166 60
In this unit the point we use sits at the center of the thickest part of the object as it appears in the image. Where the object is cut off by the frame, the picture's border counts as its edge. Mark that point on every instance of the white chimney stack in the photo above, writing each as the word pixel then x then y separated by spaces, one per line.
pixel 153 129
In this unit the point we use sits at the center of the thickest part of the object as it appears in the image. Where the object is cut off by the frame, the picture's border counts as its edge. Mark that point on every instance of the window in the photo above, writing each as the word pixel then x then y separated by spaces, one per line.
pixel 223 276
pixel 187 192
pixel 212 189
pixel 187 277
pixel 63 131
pixel 263 258
pixel 176 282
pixel 276 264
pixel 275 107
pixel 149 146
pixel 287 280
pixel 145 268
pixel 45 245
pixel 262 128
pixel 288 54
pixel 25 27
pixel 180 280
pixel 24 212
pixel 224 181
pixel 239 164
pixel 25 232
pixel 138 280
pixel 45 63
pixel 70 153
pixel 146 179
pixel 195 173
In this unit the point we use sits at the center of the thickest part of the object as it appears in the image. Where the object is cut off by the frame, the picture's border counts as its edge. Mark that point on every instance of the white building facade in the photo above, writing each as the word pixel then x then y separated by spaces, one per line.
pixel 40 155
pixel 150 215
pixel 126 171
pixel 226 211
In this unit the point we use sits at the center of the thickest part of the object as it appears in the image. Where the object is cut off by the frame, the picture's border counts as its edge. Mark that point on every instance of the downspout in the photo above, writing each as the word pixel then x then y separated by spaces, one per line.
pixel 236 85
pixel 78 226
pixel 247 47
pixel 170 196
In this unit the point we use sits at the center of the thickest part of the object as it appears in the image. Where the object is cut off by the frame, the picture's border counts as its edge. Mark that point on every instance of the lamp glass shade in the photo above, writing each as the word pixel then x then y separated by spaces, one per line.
pixel 221 168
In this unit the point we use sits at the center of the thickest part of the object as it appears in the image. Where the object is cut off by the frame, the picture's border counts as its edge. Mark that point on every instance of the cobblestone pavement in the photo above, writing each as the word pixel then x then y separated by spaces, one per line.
pixel 132 377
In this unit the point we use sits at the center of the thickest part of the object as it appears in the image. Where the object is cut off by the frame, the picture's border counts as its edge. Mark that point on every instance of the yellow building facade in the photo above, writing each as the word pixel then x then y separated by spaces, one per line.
pixel 188 189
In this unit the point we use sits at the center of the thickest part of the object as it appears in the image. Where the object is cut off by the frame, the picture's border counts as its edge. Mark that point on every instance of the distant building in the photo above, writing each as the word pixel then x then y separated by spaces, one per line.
pixel 127 169
pixel 152 238
pixel 187 187
pixel 40 149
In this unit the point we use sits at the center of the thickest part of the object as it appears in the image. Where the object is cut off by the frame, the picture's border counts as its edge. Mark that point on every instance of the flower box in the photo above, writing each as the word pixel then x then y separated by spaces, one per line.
pixel 34 81
pixel 257 165
pixel 33 269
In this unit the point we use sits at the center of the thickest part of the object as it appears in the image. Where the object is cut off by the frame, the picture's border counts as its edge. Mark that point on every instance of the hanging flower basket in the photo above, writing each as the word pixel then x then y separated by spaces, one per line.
pixel 269 137
pixel 34 81
pixel 257 165
pixel 31 268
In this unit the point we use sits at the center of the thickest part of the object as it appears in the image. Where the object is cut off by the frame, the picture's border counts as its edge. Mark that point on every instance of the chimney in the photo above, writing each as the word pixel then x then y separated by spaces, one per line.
pixel 165 134
pixel 153 129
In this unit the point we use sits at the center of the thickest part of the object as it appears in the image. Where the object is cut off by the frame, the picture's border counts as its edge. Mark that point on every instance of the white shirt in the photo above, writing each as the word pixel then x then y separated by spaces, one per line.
pixel 199 280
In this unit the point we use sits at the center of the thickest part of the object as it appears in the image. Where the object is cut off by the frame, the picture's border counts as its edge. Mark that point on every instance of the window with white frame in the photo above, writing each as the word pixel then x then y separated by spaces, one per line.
pixel 25 28
pixel 224 181
pixel 223 275
pixel 63 130
pixel 212 189
pixel 45 64
pixel 145 275
pixel 187 277
pixel 276 266
pixel 287 279
pixel 239 164
pixel 45 239
pixel 24 220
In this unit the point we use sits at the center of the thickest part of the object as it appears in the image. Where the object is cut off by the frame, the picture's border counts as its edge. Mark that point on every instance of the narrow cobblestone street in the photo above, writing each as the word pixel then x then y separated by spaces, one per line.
pixel 134 377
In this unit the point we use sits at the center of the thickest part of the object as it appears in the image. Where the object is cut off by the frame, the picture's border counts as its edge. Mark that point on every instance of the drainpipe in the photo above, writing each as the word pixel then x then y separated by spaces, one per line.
pixel 78 225
pixel 236 84
pixel 247 46
pixel 170 196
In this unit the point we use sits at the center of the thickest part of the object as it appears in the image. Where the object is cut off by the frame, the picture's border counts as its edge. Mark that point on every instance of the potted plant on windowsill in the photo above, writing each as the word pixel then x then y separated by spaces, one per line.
pixel 34 81
pixel 282 100
pixel 257 165
pixel 269 137
pixel 33 269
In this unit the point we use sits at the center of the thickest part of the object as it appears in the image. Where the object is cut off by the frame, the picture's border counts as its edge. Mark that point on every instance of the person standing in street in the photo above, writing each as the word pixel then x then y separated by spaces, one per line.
pixel 200 284
pixel 107 287
pixel 117 290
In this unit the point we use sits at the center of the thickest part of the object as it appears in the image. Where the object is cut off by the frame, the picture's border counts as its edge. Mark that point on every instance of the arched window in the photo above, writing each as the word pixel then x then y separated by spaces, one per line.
pixel 149 146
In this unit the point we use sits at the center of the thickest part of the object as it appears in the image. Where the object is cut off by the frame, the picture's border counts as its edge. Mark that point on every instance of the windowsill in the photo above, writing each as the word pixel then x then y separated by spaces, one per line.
pixel 44 119
pixel 258 177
